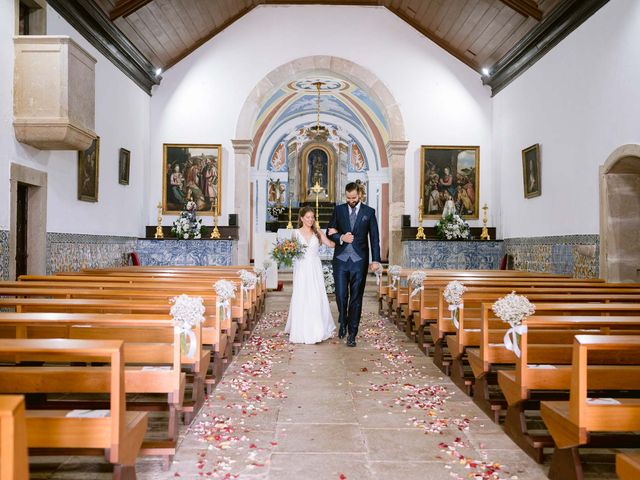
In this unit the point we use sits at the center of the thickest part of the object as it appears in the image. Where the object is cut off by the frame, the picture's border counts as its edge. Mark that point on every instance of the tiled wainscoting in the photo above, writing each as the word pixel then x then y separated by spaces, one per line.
pixel 73 252
pixel 576 255
pixel 452 254
pixel 4 255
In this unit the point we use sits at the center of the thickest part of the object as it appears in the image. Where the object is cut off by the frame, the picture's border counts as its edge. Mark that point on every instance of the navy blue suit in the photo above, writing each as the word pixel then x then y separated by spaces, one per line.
pixel 351 276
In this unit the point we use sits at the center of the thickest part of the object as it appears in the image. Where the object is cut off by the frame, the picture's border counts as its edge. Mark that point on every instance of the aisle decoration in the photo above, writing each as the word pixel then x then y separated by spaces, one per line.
pixel 416 279
pixel 513 309
pixel 187 225
pixel 187 313
pixel 329 284
pixel 452 227
pixel 394 271
pixel 249 280
pixel 286 251
pixel 378 272
pixel 453 295
pixel 225 290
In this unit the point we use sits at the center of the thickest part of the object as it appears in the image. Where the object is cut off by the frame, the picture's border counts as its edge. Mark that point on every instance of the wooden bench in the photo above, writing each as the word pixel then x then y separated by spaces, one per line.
pixel 573 423
pixel 118 436
pixel 628 466
pixel 14 464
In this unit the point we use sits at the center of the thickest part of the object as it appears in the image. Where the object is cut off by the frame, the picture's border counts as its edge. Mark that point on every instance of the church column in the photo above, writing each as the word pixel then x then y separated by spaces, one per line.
pixel 396 150
pixel 242 150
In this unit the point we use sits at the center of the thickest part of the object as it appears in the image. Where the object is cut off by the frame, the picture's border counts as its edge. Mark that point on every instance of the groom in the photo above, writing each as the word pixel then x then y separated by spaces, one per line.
pixel 353 227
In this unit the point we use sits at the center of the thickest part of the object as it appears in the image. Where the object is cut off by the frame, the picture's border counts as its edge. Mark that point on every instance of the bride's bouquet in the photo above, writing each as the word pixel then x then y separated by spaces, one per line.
pixel 286 251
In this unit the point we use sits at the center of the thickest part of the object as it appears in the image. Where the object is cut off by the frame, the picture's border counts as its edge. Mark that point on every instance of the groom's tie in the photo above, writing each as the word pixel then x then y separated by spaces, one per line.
pixel 352 218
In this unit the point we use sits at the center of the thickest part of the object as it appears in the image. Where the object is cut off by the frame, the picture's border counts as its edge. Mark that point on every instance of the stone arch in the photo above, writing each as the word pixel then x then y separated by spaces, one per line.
pixel 620 215
pixel 395 149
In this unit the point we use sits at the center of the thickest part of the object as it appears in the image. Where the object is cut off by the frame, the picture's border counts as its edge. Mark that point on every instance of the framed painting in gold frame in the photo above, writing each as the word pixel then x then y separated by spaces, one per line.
pixel 192 172
pixel 531 171
pixel 450 172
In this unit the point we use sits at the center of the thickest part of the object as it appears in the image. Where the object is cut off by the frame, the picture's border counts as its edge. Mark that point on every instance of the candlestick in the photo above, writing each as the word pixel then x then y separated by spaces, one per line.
pixel 215 233
pixel 289 225
pixel 317 189
pixel 420 235
pixel 159 233
pixel 485 233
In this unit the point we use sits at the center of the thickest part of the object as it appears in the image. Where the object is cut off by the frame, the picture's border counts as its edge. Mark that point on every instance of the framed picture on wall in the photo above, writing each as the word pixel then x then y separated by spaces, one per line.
pixel 531 171
pixel 192 172
pixel 449 173
pixel 88 172
pixel 123 166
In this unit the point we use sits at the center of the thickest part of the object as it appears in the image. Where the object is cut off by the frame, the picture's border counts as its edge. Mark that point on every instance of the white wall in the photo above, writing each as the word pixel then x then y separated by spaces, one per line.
pixel 122 120
pixel 580 102
pixel 199 100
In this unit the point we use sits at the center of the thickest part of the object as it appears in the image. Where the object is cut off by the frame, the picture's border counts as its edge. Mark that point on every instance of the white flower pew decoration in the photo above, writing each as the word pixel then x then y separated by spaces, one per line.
pixel 225 290
pixel 417 279
pixel 513 309
pixel 394 271
pixel 187 313
pixel 249 280
pixel 453 295
pixel 378 272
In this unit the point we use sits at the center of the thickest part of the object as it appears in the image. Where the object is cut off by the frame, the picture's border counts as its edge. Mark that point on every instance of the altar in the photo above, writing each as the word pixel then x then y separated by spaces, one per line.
pixel 453 254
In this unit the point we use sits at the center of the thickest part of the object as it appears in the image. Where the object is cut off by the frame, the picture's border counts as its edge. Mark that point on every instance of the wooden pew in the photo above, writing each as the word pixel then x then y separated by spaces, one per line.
pixel 118 435
pixel 628 466
pixel 548 342
pixel 14 464
pixel 573 423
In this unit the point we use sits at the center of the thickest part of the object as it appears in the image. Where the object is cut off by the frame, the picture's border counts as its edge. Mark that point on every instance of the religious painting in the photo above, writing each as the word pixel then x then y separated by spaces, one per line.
pixel 88 172
pixel 278 160
pixel 357 162
pixel 450 176
pixel 192 172
pixel 531 171
pixel 123 166
pixel 277 198
pixel 317 169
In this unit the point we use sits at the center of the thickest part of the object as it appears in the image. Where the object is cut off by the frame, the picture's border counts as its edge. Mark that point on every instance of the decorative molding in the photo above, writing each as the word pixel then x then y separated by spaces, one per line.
pixel 562 20
pixel 243 147
pixel 92 23
pixel 397 147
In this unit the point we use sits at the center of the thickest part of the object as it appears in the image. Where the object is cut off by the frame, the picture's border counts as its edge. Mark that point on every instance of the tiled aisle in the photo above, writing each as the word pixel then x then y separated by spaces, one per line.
pixel 377 411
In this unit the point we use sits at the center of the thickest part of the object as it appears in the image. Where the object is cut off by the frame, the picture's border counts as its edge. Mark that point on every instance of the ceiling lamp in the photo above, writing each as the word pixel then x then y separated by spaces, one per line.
pixel 318 132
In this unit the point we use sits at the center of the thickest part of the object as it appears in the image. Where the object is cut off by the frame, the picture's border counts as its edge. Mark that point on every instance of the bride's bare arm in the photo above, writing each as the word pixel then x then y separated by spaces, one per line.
pixel 328 242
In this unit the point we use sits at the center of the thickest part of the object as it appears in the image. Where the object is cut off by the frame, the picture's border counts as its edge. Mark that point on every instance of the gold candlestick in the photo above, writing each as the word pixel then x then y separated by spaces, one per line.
pixel 215 233
pixel 317 189
pixel 485 233
pixel 420 235
pixel 159 233
pixel 289 225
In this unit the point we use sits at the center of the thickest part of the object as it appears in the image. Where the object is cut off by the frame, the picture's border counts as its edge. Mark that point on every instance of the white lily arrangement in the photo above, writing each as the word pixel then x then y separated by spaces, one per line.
pixel 187 313
pixel 394 271
pixel 249 280
pixel 513 309
pixel 225 290
pixel 416 279
pixel 453 295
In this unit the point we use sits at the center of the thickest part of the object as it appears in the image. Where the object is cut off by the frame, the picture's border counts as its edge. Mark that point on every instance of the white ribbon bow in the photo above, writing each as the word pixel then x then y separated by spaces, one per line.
pixel 416 290
pixel 454 310
pixel 394 279
pixel 227 308
pixel 184 329
pixel 378 275
pixel 510 339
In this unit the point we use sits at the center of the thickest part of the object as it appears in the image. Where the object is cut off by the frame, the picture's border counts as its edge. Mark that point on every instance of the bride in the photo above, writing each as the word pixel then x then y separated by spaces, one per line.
pixel 310 319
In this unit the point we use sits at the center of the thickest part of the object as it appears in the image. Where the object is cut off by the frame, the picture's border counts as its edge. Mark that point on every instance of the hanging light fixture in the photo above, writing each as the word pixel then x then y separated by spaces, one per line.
pixel 318 132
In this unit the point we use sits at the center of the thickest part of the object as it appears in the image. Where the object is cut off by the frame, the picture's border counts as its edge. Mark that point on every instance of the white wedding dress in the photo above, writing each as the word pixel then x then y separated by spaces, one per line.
pixel 310 320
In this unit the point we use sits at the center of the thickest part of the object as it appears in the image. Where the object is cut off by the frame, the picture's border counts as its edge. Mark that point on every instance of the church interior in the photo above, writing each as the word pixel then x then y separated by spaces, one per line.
pixel 155 156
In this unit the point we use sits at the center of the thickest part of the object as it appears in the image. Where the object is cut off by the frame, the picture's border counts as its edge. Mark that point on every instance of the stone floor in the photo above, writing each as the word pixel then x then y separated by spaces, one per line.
pixel 380 410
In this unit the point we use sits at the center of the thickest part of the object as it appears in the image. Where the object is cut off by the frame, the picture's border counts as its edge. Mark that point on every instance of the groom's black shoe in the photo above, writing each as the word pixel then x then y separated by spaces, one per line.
pixel 351 341
pixel 342 332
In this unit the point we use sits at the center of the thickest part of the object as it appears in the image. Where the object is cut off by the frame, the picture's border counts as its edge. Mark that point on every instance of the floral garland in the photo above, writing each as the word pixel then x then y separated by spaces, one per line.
pixel 394 271
pixel 187 313
pixel 225 290
pixel 416 279
pixel 453 295
pixel 513 309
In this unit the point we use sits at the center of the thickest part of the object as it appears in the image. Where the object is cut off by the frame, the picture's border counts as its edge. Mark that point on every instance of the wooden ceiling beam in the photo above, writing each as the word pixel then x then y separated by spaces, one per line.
pixel 526 8
pixel 124 8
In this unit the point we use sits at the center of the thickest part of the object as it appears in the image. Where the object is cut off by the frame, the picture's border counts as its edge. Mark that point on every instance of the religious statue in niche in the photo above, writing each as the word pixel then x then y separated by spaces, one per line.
pixel 449 179
pixel 192 172
pixel 317 172
pixel 362 189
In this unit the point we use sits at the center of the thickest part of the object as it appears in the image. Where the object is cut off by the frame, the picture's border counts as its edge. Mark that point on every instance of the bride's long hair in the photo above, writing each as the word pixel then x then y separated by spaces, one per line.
pixel 303 211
